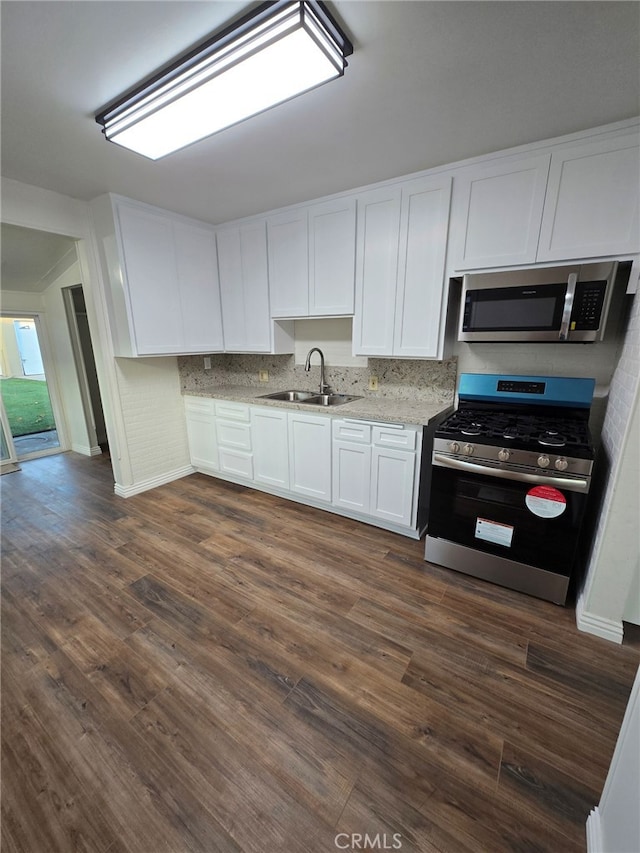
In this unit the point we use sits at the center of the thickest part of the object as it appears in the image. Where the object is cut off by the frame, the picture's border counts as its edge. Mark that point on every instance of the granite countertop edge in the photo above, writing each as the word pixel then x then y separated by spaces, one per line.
pixel 384 409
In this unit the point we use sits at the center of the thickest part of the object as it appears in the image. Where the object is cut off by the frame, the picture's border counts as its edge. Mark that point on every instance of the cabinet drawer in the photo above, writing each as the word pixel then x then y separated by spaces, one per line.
pixel 403 439
pixel 234 436
pixel 232 411
pixel 236 462
pixel 352 431
pixel 199 405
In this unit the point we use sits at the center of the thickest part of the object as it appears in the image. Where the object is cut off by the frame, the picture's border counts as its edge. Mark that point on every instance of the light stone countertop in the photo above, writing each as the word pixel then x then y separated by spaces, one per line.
pixel 384 409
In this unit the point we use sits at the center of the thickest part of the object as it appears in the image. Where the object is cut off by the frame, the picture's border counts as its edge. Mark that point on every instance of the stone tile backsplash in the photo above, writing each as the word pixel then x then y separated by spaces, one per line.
pixel 414 379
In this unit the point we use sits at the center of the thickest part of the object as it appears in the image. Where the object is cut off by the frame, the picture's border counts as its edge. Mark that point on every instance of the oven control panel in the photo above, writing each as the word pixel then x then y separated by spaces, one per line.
pixel 513 459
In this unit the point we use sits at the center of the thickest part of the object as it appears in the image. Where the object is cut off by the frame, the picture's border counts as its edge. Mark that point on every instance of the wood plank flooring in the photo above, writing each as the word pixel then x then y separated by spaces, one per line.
pixel 208 668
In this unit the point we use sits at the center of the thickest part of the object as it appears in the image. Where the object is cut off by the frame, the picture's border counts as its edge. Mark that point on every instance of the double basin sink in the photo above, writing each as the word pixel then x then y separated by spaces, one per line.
pixel 310 397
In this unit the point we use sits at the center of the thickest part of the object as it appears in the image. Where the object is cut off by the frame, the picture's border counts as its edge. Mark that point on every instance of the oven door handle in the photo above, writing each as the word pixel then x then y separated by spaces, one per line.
pixel 570 484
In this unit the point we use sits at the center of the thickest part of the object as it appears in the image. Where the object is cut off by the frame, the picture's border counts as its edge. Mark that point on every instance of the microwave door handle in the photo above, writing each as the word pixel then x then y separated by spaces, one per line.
pixel 570 484
pixel 568 306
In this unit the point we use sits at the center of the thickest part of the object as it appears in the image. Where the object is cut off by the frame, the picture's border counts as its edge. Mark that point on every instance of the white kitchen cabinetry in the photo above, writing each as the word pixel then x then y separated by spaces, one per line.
pixel 497 212
pixel 244 291
pixel 270 442
pixel 400 258
pixel 591 209
pixel 375 470
pixel 163 293
pixel 312 260
pixel 351 465
pixel 310 456
pixel 233 433
pixel 201 432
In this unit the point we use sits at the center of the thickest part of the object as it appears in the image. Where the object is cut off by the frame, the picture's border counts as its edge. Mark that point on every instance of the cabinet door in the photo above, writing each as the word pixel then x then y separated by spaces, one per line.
pixel 288 264
pixel 377 240
pixel 244 288
pixel 423 243
pixel 592 201
pixel 500 211
pixel 199 288
pixel 151 280
pixel 332 257
pixel 310 456
pixel 201 432
pixel 392 485
pixel 269 438
pixel 351 466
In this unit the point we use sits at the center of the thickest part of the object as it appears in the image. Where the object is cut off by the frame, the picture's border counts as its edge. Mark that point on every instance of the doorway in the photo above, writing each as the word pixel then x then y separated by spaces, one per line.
pixel 28 411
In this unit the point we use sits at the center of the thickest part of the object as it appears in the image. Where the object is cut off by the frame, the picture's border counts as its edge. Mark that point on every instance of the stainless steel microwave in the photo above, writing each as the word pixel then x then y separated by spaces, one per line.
pixel 561 304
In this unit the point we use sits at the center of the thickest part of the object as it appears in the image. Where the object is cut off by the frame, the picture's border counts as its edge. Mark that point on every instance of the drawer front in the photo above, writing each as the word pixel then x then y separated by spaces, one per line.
pixel 199 405
pixel 351 431
pixel 402 439
pixel 236 462
pixel 232 411
pixel 234 436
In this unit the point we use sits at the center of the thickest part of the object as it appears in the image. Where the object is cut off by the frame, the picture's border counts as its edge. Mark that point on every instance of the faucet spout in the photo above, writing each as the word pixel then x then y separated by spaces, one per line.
pixel 324 387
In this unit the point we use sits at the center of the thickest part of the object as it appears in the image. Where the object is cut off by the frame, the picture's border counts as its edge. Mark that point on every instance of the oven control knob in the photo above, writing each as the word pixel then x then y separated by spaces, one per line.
pixel 504 454
pixel 467 449
pixel 543 460
pixel 454 447
pixel 561 463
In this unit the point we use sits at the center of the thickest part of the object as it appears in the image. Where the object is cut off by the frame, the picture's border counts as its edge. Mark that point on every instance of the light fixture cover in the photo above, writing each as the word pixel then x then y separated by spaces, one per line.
pixel 274 53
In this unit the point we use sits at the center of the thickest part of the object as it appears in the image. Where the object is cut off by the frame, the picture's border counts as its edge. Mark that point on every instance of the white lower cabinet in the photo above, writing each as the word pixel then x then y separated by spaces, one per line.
pixel 233 433
pixel 270 442
pixel 310 455
pixel 364 469
pixel 392 485
pixel 375 470
pixel 201 432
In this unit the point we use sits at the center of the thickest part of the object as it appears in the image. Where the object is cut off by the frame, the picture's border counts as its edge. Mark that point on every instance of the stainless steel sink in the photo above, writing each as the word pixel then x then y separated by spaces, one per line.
pixel 289 396
pixel 330 399
pixel 310 397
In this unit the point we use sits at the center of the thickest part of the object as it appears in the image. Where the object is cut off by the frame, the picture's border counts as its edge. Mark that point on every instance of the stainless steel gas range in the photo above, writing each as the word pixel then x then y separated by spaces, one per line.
pixel 511 471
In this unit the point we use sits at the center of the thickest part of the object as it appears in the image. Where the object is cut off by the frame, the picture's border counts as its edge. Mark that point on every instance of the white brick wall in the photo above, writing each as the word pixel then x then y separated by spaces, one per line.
pixel 153 413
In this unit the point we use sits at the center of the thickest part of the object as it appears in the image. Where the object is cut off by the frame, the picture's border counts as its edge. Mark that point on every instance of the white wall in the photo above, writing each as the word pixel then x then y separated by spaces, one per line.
pixel 82 437
pixel 613 570
pixel 614 826
pixel 136 438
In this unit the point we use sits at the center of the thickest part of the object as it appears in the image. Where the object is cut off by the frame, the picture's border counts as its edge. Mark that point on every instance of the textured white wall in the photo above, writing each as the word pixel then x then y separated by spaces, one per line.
pixel 615 555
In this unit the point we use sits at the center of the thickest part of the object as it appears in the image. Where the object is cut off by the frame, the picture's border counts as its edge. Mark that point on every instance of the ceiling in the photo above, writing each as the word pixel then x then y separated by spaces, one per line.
pixel 32 260
pixel 428 83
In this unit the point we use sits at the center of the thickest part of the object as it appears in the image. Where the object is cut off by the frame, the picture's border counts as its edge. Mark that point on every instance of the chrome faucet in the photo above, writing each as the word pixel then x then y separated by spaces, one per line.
pixel 324 386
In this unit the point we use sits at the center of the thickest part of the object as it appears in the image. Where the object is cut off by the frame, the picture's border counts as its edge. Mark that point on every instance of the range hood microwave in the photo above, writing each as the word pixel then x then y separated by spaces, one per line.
pixel 560 304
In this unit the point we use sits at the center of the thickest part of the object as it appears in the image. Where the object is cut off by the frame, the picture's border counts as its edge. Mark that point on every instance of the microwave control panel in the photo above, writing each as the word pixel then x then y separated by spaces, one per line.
pixel 587 306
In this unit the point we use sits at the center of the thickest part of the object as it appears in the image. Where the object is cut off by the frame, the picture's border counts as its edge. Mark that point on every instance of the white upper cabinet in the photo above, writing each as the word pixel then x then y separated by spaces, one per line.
pixel 312 260
pixel 591 208
pixel 332 257
pixel 163 292
pixel 244 288
pixel 497 213
pixel 400 258
pixel 289 264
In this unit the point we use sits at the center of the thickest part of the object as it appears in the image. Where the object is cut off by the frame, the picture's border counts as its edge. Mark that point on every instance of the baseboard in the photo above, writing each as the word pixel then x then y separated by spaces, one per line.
pixel 594 832
pixel 153 482
pixel 600 626
pixel 85 450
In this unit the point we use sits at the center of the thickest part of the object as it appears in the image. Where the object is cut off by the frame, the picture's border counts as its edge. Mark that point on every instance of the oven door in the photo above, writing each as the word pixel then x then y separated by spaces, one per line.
pixel 524 517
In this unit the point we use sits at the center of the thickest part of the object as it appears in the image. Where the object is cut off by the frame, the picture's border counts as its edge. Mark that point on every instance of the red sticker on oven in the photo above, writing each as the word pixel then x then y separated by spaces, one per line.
pixel 545 501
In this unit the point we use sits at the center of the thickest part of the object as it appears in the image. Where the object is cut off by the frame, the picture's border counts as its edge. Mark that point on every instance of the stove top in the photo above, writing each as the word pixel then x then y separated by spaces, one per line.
pixel 556 431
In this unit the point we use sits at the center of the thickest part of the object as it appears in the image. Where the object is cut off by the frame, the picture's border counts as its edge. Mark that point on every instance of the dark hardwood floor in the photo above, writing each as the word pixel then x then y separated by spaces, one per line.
pixel 208 668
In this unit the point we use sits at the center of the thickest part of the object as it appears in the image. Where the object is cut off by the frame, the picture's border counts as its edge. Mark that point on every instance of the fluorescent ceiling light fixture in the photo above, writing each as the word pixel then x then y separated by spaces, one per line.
pixel 276 52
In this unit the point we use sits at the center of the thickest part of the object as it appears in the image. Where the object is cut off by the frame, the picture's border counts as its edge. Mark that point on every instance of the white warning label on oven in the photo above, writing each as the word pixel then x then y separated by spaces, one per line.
pixel 494 531
pixel 545 501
